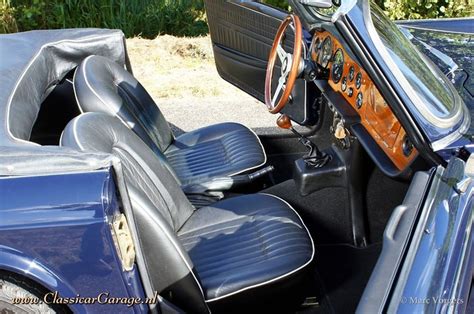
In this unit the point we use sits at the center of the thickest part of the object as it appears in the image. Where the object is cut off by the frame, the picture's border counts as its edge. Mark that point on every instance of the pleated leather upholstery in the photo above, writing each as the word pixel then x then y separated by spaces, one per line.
pixel 245 242
pixel 218 150
pixel 160 206
pixel 196 257
pixel 102 85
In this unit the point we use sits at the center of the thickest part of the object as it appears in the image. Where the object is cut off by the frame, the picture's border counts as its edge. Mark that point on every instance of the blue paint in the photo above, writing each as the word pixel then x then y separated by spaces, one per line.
pixel 55 229
pixel 439 256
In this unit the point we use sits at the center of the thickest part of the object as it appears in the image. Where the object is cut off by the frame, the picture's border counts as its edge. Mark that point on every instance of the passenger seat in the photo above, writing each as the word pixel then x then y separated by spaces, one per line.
pixel 246 253
pixel 196 157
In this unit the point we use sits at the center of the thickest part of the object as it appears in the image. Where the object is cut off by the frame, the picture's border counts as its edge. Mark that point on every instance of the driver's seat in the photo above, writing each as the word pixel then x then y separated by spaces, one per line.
pixel 196 157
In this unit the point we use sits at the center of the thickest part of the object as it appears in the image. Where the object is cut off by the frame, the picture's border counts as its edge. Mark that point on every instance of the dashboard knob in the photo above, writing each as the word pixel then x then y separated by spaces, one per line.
pixel 340 131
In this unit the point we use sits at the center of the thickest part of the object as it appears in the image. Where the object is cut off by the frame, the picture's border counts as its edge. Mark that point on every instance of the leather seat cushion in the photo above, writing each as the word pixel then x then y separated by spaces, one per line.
pixel 223 149
pixel 245 243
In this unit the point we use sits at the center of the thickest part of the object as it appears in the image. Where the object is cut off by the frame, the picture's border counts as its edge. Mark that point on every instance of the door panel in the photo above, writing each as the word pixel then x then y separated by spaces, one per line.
pixel 242 34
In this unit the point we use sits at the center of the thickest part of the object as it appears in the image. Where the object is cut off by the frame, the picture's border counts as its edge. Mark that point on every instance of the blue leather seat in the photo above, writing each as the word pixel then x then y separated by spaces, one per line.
pixel 198 156
pixel 236 254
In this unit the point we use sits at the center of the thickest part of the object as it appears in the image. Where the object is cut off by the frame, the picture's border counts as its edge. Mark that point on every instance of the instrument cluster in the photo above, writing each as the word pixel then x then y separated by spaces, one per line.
pixel 350 80
pixel 328 54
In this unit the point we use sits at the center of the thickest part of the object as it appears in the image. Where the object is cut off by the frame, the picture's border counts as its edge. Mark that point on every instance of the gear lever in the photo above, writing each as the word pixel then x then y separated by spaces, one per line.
pixel 314 158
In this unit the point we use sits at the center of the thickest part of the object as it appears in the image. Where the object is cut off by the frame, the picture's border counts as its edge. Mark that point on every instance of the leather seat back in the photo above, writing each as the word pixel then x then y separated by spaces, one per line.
pixel 102 85
pixel 159 205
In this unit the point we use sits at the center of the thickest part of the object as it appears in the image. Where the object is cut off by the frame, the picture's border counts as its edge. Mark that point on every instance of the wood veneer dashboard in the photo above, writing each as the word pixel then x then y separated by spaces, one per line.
pixel 347 78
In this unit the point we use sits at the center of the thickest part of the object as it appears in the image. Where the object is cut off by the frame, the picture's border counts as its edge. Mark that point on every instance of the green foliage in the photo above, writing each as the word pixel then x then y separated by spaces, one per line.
pixel 422 9
pixel 7 18
pixel 147 18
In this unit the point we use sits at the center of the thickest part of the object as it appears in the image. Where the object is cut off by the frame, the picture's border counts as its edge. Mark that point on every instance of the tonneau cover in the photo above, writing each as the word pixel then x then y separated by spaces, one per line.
pixel 31 65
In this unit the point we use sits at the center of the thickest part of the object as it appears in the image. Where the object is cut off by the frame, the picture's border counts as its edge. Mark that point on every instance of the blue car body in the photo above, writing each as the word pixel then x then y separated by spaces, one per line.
pixel 55 218
pixel 55 230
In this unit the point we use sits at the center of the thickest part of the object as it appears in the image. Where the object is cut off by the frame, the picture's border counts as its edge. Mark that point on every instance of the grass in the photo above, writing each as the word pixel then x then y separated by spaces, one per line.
pixel 181 76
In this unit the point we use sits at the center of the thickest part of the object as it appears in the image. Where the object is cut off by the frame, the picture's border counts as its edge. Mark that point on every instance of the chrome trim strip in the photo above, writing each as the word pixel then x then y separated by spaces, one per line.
pixel 432 30
pixel 453 136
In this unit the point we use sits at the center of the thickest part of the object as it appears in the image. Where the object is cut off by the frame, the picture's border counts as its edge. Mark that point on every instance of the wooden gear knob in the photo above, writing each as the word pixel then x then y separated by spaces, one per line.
pixel 284 122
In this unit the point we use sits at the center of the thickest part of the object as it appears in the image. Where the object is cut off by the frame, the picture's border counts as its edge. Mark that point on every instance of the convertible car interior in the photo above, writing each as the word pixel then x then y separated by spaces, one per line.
pixel 230 220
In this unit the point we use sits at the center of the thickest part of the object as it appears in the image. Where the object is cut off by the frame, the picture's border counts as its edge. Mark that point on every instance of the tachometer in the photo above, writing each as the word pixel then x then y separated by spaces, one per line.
pixel 337 66
pixel 326 52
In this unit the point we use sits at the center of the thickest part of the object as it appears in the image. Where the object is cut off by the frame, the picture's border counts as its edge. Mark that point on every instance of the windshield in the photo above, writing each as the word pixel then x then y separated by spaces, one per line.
pixel 428 82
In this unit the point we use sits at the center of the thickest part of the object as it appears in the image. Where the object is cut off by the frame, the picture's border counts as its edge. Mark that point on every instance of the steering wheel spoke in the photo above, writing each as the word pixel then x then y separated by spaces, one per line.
pixel 282 54
pixel 281 87
pixel 290 63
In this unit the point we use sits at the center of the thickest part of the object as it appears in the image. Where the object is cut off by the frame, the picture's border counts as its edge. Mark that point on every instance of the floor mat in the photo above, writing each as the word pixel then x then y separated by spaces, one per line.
pixel 383 195
pixel 342 272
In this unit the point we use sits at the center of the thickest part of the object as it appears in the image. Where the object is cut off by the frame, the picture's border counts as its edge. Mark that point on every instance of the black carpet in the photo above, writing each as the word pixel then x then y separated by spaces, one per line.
pixel 324 212
pixel 342 272
pixel 383 195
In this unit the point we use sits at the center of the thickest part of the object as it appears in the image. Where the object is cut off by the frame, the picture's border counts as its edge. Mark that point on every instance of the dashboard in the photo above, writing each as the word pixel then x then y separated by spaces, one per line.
pixel 349 80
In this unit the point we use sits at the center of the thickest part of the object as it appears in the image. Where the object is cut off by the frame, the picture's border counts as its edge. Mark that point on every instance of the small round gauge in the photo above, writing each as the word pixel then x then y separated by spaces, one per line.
pixel 407 146
pixel 344 84
pixel 350 92
pixel 337 66
pixel 326 52
pixel 351 73
pixel 358 80
pixel 359 100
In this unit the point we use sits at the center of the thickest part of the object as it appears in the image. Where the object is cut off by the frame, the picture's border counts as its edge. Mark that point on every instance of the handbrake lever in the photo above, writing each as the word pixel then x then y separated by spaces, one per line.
pixel 226 183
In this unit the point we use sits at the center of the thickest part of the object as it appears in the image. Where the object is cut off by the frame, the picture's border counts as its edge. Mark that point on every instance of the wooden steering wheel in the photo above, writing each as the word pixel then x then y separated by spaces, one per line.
pixel 290 65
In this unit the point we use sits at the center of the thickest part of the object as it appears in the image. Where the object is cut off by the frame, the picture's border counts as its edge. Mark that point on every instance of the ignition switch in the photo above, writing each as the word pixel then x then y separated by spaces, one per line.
pixel 340 132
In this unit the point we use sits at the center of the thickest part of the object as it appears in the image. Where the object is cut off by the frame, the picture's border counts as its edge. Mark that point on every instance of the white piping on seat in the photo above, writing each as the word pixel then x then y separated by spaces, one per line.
pixel 279 277
pixel 115 114
pixel 74 133
pixel 176 247
pixel 74 89
pixel 84 71
pixel 10 99
pixel 139 204
pixel 259 142
pixel 263 150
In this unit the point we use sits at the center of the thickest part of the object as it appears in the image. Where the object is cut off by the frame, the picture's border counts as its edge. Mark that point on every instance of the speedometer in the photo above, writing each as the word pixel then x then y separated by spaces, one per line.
pixel 337 66
pixel 315 49
pixel 326 52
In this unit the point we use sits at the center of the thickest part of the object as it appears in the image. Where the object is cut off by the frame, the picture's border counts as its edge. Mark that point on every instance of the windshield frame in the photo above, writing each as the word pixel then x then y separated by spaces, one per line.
pixel 441 131
pixel 456 114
